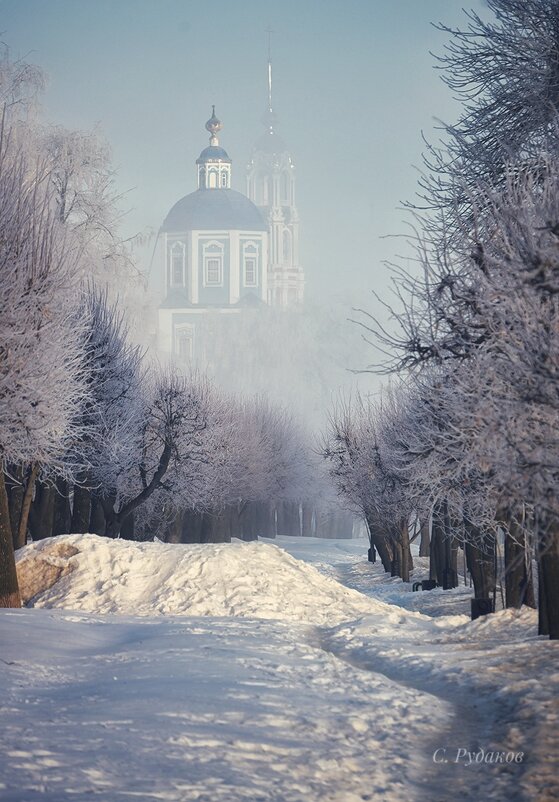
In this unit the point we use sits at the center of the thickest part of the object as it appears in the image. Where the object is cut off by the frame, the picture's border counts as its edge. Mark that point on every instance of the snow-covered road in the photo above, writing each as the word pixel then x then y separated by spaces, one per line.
pixel 220 708
pixel 198 709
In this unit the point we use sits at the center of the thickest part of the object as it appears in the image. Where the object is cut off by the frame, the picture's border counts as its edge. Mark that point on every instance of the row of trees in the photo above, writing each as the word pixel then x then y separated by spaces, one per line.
pixel 468 434
pixel 90 429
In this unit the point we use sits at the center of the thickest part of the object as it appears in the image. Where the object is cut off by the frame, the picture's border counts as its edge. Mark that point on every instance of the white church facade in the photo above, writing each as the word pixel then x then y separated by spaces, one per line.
pixel 222 251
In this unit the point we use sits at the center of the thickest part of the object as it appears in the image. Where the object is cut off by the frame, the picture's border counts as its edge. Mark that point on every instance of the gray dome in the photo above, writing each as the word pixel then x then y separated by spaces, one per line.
pixel 212 209
pixel 213 153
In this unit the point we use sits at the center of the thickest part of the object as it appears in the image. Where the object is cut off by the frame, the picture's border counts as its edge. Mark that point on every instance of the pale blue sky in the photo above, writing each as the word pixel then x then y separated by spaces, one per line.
pixel 354 87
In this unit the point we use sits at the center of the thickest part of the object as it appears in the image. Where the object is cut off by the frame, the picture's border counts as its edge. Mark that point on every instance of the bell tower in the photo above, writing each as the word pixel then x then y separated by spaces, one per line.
pixel 271 187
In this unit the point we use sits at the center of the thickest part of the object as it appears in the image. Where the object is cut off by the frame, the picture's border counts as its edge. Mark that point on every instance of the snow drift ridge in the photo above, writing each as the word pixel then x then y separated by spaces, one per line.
pixel 259 580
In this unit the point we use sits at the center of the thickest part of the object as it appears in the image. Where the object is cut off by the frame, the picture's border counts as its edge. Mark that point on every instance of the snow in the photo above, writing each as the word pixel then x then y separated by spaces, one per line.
pixel 225 579
pixel 244 672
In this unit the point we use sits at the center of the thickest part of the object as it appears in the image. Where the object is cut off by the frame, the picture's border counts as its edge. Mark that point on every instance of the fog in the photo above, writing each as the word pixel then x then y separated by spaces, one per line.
pixel 353 86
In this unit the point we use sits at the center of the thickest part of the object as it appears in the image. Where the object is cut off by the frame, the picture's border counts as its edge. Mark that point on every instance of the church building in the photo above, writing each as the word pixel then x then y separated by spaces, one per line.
pixel 222 251
pixel 215 246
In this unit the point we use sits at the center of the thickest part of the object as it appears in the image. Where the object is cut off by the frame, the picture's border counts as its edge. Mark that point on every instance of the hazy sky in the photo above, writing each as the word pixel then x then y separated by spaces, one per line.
pixel 354 86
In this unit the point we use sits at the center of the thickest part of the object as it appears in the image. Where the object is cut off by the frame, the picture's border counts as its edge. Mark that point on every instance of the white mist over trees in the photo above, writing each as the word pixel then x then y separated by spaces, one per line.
pixel 301 357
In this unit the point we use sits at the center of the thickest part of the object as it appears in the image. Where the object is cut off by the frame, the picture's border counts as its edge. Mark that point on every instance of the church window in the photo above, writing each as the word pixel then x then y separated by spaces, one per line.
pixel 213 252
pixel 224 179
pixel 213 272
pixel 177 264
pixel 250 271
pixel 212 179
pixel 250 263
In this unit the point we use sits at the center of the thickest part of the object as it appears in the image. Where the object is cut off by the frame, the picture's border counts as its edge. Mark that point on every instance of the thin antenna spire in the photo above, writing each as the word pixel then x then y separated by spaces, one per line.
pixel 269 32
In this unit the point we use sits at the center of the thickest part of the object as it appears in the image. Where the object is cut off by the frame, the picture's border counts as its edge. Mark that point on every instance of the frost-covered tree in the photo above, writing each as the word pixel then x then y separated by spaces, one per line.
pixel 81 176
pixel 82 179
pixel 109 414
pixel 41 362
pixel 504 69
pixel 494 343
pixel 174 412
pixel 251 466
pixel 365 474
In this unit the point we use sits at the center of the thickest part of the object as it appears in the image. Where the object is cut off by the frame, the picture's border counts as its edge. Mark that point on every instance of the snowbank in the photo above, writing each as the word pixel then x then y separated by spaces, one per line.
pixel 349 709
pixel 97 574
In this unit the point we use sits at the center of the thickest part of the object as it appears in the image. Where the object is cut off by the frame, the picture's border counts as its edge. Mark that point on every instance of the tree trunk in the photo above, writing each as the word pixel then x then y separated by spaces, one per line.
pixel 307 520
pixel 97 517
pixel 127 528
pixel 112 524
pixel 26 506
pixel 548 574
pixel 114 519
pixel 380 542
pixel 437 553
pixel 9 589
pixel 250 522
pixel 268 511
pixel 81 510
pixel 424 546
pixel 239 522
pixel 45 513
pixel 174 529
pixel 62 512
pixel 191 527
pixel 264 520
pixel 108 504
pixel 212 529
pixel 15 497
pixel 450 573
pixel 519 587
pixel 288 519
pixel 481 564
pixel 407 563
pixel 443 548
pixel 396 565
pixel 450 570
pixel 543 623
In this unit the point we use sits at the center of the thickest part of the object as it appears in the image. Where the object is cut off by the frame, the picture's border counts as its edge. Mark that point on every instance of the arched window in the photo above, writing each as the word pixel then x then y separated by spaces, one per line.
pixel 177 264
pixel 212 179
pixel 213 264
pixel 250 264
pixel 224 178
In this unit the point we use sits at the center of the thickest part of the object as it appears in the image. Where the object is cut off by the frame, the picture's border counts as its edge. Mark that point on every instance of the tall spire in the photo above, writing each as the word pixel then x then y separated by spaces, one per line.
pixel 269 117
pixel 269 32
